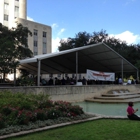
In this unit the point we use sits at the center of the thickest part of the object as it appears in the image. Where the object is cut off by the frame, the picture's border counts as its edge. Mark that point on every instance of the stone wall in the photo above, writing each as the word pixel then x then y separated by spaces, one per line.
pixel 72 93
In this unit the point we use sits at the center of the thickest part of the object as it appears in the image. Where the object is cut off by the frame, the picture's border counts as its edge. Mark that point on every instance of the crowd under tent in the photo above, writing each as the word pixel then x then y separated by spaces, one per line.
pixel 98 57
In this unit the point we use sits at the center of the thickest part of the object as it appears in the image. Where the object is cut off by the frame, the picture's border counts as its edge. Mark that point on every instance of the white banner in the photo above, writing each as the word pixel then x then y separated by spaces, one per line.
pixel 103 76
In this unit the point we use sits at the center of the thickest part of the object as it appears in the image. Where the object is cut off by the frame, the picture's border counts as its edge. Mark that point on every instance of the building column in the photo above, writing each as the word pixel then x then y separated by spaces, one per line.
pixel 23 9
pixel 38 74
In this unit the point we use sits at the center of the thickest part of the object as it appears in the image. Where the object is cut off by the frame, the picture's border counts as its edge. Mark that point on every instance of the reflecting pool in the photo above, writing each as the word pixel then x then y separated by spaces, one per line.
pixel 109 109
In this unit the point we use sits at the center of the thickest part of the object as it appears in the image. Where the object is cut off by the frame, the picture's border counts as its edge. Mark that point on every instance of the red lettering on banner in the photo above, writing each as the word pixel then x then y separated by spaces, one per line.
pixel 100 74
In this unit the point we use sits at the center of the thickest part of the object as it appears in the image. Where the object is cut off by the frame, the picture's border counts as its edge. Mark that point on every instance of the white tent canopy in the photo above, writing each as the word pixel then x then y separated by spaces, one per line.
pixel 98 57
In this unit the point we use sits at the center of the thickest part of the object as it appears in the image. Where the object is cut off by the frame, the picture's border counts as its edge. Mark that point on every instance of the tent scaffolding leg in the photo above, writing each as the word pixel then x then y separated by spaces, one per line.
pixel 14 76
pixel 122 70
pixel 38 74
pixel 138 75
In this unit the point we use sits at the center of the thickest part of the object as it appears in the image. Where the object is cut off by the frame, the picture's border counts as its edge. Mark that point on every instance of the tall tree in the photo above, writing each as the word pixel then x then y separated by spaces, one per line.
pixel 13 46
pixel 81 39
pixel 98 37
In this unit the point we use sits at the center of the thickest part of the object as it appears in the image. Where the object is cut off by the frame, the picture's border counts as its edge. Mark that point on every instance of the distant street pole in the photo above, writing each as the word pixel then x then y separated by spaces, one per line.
pixel 76 66
pixel 122 69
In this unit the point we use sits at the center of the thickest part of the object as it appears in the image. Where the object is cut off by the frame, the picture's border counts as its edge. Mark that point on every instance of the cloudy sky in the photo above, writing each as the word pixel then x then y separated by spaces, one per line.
pixel 120 18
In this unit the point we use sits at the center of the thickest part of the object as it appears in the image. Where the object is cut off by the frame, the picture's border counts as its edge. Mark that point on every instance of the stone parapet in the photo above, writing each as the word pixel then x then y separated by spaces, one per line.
pixel 71 93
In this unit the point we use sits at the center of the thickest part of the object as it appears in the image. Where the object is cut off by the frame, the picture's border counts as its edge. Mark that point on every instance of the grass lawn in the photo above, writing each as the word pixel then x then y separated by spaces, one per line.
pixel 104 129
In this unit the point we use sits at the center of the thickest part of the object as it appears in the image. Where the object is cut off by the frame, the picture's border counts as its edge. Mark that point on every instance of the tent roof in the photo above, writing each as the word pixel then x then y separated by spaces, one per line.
pixel 98 57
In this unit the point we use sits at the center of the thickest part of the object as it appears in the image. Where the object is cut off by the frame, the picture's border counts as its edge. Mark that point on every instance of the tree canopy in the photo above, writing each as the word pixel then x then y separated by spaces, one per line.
pixel 13 46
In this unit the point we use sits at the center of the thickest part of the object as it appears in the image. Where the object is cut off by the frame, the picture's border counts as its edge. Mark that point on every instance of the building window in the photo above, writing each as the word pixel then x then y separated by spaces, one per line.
pixel 35 32
pixel 6 5
pixel 35 43
pixel 44 34
pixel 44 48
pixel 16 8
pixel 44 44
pixel 5 17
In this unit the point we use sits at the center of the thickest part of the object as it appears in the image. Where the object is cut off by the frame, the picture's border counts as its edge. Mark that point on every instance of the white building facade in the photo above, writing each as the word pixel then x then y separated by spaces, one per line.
pixel 15 11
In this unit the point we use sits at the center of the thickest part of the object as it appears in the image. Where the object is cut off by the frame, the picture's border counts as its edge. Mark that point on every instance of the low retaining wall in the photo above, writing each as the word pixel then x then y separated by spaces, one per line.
pixel 71 93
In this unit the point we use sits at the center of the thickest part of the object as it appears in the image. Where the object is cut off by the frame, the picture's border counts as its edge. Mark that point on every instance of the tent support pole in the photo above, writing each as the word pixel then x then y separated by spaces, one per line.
pixel 138 75
pixel 76 67
pixel 38 74
pixel 14 76
pixel 122 70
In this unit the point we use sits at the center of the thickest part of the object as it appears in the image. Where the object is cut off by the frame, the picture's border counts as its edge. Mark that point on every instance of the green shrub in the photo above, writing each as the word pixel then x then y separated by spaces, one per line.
pixel 23 109
pixel 11 119
pixel 25 105
pixel 53 113
pixel 24 117
pixel 76 110
pixel 25 81
pixel 6 110
pixel 2 123
pixel 45 104
pixel 40 115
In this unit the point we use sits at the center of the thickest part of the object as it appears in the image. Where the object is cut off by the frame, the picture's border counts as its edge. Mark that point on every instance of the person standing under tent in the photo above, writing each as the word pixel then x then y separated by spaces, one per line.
pixel 120 81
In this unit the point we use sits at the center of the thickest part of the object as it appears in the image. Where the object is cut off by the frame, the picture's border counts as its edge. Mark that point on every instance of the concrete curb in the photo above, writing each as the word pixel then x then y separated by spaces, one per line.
pixel 96 117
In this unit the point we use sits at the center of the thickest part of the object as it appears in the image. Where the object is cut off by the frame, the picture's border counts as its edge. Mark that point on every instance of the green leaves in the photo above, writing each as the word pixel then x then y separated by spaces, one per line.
pixel 13 46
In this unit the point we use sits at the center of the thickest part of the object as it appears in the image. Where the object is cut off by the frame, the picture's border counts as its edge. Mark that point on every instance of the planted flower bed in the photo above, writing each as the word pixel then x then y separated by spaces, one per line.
pixel 29 111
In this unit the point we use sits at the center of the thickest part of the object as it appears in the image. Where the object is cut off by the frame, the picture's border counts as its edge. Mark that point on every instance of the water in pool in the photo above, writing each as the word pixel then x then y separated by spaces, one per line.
pixel 118 109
